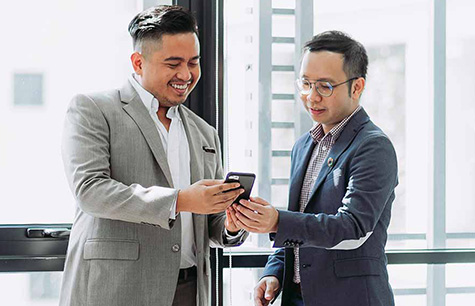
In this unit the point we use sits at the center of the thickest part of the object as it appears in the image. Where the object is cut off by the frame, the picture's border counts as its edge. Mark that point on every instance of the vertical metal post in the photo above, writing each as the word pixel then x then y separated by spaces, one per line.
pixel 437 226
pixel 265 98
pixel 303 33
pixel 202 100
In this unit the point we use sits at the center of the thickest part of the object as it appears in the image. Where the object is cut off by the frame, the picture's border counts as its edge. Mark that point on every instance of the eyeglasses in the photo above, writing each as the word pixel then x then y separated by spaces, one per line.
pixel 324 88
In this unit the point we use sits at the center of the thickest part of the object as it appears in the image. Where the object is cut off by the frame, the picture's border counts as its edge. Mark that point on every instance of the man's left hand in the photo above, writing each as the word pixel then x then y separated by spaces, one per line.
pixel 256 215
pixel 230 223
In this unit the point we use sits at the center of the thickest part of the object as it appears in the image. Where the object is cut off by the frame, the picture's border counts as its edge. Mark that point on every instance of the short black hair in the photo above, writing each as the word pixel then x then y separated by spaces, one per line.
pixel 154 22
pixel 355 58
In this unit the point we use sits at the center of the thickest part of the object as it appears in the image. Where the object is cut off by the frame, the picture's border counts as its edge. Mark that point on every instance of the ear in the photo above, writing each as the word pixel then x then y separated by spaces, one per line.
pixel 357 88
pixel 137 60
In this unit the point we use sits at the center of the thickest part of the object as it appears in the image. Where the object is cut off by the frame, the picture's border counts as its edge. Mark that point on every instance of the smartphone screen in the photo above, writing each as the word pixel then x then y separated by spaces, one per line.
pixel 245 179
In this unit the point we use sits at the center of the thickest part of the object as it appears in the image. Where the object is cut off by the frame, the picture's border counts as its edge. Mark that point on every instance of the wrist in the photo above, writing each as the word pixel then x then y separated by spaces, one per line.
pixel 181 201
pixel 275 226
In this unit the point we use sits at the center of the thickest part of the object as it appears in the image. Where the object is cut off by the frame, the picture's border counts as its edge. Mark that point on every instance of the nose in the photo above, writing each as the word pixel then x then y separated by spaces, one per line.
pixel 184 73
pixel 314 96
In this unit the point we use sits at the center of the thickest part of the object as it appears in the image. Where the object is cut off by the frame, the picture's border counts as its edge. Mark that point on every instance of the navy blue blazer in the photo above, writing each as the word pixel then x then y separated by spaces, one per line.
pixel 343 230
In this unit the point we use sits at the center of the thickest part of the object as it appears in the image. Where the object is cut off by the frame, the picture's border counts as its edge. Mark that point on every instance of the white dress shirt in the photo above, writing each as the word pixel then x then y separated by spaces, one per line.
pixel 177 149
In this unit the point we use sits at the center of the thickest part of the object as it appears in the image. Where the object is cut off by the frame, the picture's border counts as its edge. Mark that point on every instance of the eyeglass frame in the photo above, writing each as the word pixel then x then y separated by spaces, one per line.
pixel 312 86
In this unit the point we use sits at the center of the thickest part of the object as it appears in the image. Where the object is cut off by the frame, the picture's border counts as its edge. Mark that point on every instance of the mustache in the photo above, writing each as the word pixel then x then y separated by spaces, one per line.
pixel 189 81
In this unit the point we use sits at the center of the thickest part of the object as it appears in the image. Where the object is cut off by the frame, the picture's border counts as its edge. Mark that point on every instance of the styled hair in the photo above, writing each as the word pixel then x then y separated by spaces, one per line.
pixel 355 59
pixel 153 23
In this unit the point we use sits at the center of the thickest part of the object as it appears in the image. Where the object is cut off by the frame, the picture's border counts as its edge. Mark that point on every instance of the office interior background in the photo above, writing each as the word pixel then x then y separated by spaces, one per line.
pixel 420 91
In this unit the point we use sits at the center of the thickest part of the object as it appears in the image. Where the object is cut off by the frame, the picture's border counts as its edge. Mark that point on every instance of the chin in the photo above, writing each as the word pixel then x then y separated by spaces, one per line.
pixel 176 102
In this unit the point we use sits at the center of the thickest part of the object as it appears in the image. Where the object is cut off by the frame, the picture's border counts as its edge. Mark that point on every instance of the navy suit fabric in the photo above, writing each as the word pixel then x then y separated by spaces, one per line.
pixel 343 231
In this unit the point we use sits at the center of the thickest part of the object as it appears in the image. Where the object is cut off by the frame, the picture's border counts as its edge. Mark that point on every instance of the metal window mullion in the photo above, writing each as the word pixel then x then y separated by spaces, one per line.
pixel 303 33
pixel 436 290
pixel 265 98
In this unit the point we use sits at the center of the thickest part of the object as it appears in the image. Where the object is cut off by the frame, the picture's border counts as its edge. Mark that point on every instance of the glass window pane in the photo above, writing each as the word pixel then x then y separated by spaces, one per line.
pixel 72 54
pixel 397 95
pixel 30 289
pixel 460 111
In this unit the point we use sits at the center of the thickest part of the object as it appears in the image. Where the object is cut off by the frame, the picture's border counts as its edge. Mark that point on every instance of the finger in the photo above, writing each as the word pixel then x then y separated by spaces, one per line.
pixel 244 207
pixel 250 214
pixel 269 295
pixel 258 301
pixel 228 196
pixel 239 215
pixel 240 224
pixel 252 206
pixel 216 189
pixel 232 213
pixel 258 295
pixel 244 221
pixel 231 216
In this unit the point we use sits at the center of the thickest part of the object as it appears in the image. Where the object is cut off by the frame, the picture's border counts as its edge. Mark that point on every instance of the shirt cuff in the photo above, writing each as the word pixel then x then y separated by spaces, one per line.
pixel 231 236
pixel 173 213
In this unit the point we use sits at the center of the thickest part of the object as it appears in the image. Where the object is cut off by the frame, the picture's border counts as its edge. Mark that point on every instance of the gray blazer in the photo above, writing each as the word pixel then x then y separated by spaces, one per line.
pixel 123 249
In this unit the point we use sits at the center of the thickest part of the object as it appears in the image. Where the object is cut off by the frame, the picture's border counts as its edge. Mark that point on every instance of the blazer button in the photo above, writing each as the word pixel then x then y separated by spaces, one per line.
pixel 176 247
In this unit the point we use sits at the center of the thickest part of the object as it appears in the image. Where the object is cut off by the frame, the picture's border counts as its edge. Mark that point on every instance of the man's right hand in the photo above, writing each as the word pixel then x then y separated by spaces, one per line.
pixel 266 290
pixel 207 197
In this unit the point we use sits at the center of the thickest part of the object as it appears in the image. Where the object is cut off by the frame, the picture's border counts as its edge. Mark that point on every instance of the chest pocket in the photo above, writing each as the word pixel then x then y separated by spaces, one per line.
pixel 209 163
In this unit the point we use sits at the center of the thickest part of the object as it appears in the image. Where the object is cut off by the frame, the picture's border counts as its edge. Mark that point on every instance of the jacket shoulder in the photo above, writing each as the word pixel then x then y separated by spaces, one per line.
pixel 100 98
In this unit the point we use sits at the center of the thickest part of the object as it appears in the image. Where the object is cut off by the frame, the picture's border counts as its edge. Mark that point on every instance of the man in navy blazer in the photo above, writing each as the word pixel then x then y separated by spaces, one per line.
pixel 331 240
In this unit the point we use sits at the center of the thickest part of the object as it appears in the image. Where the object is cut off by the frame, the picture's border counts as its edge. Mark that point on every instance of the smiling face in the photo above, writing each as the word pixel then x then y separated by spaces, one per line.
pixel 328 66
pixel 170 68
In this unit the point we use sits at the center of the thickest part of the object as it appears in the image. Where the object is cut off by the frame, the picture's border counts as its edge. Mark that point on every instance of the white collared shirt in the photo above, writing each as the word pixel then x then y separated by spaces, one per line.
pixel 175 144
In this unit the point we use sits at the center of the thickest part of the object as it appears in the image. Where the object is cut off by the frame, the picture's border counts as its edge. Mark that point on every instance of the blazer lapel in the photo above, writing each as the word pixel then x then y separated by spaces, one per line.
pixel 134 107
pixel 343 142
pixel 298 175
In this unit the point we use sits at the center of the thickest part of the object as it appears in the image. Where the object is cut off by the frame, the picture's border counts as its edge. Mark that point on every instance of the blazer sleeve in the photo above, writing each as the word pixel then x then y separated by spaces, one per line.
pixel 275 265
pixel 372 179
pixel 86 155
pixel 216 221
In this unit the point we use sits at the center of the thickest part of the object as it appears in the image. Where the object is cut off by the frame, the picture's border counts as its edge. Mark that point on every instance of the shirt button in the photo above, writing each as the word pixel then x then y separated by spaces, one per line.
pixel 176 247
pixel 324 148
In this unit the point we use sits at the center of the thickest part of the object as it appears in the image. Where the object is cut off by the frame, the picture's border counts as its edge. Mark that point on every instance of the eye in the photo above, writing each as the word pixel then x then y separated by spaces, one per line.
pixel 305 83
pixel 193 64
pixel 173 66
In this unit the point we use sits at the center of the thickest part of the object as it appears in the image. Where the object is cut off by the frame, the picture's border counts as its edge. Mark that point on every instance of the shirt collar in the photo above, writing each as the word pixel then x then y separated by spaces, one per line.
pixel 149 101
pixel 317 132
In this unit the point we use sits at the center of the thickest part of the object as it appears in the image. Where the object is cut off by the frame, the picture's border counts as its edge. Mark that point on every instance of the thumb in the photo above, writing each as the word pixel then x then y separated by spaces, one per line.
pixel 259 201
pixel 269 294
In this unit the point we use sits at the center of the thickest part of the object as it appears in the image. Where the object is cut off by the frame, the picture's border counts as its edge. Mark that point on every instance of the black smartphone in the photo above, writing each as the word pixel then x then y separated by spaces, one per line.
pixel 245 179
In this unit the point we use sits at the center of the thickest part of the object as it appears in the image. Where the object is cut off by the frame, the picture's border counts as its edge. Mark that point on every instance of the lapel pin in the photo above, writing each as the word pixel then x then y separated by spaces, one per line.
pixel 330 162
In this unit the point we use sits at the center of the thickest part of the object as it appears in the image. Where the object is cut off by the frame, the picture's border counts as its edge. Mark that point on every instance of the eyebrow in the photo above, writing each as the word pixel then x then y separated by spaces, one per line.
pixel 330 80
pixel 181 59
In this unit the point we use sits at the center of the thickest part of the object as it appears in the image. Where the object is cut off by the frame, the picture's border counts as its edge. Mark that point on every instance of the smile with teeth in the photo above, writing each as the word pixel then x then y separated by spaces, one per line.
pixel 177 86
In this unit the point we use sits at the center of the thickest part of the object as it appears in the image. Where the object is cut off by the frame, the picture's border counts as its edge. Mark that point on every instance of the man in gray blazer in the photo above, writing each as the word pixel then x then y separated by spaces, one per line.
pixel 343 174
pixel 144 170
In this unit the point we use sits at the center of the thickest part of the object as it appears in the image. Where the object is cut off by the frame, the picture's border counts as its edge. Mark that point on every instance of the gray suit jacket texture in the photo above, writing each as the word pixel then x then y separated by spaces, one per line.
pixel 123 248
pixel 342 232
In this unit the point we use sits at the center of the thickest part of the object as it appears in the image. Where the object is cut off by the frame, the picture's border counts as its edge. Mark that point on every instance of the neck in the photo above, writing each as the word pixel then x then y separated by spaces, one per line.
pixel 162 116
